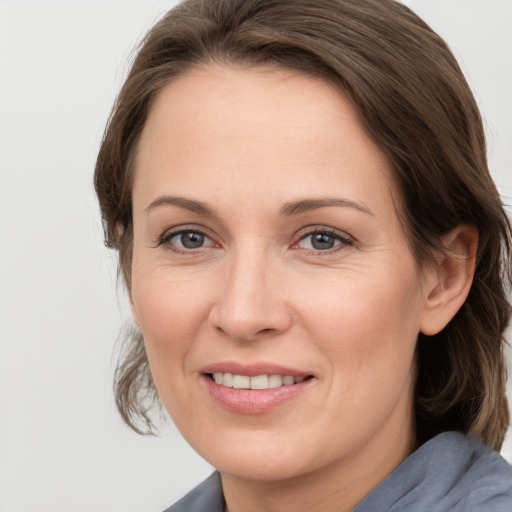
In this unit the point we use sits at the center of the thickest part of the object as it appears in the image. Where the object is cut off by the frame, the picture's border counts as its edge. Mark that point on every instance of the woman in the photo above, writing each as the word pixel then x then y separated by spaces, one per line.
pixel 316 256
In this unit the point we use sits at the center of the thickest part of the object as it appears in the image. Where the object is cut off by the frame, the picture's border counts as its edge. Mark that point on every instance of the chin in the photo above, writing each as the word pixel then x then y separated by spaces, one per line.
pixel 259 457
pixel 252 468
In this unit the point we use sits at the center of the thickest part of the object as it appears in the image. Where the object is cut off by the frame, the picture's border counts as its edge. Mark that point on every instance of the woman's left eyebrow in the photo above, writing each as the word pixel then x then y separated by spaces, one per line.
pixel 304 205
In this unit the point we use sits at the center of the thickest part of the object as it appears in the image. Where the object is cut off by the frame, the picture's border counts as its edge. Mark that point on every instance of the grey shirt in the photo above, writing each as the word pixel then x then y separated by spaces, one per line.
pixel 451 472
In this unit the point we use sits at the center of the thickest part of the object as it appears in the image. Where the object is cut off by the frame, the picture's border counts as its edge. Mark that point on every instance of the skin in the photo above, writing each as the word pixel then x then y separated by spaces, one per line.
pixel 246 143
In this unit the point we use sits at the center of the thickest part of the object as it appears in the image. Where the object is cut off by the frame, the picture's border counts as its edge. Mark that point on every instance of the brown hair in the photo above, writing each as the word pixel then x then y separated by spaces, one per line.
pixel 417 106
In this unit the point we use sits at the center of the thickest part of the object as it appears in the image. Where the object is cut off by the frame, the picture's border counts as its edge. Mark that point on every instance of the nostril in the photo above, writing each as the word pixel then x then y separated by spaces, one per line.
pixel 248 321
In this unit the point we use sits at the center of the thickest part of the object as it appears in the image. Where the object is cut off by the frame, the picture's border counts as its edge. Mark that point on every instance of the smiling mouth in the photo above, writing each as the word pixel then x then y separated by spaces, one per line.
pixel 258 382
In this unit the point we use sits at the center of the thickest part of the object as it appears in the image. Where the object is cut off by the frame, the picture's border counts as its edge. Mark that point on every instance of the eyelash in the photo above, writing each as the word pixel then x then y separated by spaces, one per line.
pixel 169 235
pixel 343 239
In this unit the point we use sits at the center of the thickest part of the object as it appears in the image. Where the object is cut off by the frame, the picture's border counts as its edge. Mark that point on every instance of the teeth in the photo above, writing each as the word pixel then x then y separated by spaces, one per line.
pixel 259 382
pixel 227 380
pixel 241 382
pixel 288 380
pixel 275 381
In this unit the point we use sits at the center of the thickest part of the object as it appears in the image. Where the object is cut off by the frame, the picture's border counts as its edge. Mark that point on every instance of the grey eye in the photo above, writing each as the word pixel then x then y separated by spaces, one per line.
pixel 189 240
pixel 322 241
pixel 192 240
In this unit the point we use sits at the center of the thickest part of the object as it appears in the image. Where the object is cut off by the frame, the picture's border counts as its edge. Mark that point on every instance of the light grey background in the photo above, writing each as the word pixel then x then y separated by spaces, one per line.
pixel 62 446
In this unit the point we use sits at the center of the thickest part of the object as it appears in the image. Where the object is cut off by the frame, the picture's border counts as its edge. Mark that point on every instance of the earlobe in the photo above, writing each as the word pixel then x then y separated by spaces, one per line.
pixel 449 284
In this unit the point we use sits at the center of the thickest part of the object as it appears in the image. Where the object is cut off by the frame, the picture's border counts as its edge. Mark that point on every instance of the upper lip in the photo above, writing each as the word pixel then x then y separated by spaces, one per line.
pixel 253 369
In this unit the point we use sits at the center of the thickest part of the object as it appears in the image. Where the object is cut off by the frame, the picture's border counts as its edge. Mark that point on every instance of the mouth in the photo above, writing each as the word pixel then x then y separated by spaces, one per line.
pixel 254 389
pixel 256 382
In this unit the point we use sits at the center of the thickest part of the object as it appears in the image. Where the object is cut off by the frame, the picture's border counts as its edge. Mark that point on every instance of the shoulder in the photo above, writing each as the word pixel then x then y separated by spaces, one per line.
pixel 451 472
pixel 206 497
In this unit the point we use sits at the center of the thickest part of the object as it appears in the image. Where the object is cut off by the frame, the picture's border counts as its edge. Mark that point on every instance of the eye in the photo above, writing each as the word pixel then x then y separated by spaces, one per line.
pixel 323 240
pixel 186 239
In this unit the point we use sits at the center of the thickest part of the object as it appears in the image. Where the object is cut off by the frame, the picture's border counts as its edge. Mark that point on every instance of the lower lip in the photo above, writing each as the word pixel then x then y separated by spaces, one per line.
pixel 252 401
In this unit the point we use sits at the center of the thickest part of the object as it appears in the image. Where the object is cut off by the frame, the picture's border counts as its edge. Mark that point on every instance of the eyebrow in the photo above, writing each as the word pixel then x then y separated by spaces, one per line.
pixel 291 208
pixel 305 205
pixel 189 204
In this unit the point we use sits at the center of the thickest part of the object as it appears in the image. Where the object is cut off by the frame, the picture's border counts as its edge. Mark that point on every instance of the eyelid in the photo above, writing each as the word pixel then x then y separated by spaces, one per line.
pixel 170 233
pixel 342 236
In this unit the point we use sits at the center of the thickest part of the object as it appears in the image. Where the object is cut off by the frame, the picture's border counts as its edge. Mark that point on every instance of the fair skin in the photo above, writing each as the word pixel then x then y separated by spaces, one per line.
pixel 266 241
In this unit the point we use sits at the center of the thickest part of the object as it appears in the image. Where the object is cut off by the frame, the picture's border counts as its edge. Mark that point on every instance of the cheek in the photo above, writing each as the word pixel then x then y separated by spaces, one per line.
pixel 170 314
pixel 170 311
pixel 368 327
pixel 368 334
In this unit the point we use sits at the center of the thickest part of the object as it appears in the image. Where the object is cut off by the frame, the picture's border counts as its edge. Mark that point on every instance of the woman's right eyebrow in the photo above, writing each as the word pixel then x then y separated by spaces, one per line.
pixel 189 204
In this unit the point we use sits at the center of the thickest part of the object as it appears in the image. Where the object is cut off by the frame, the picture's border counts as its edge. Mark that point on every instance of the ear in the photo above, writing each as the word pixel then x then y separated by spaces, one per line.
pixel 449 284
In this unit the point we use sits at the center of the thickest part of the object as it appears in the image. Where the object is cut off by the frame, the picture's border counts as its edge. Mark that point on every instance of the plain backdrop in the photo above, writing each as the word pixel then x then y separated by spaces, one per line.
pixel 62 446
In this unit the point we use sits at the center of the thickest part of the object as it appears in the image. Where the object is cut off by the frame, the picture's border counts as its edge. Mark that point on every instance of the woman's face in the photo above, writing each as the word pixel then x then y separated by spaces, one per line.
pixel 268 254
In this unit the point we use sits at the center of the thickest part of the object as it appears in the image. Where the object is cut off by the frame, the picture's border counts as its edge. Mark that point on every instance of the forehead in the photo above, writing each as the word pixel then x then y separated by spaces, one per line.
pixel 271 128
pixel 279 102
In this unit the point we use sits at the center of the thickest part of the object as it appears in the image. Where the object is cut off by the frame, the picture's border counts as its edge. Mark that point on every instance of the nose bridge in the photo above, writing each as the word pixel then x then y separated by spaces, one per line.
pixel 249 303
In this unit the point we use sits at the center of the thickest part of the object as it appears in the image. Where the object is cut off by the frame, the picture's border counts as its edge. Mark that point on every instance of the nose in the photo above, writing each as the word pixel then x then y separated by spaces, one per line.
pixel 251 304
